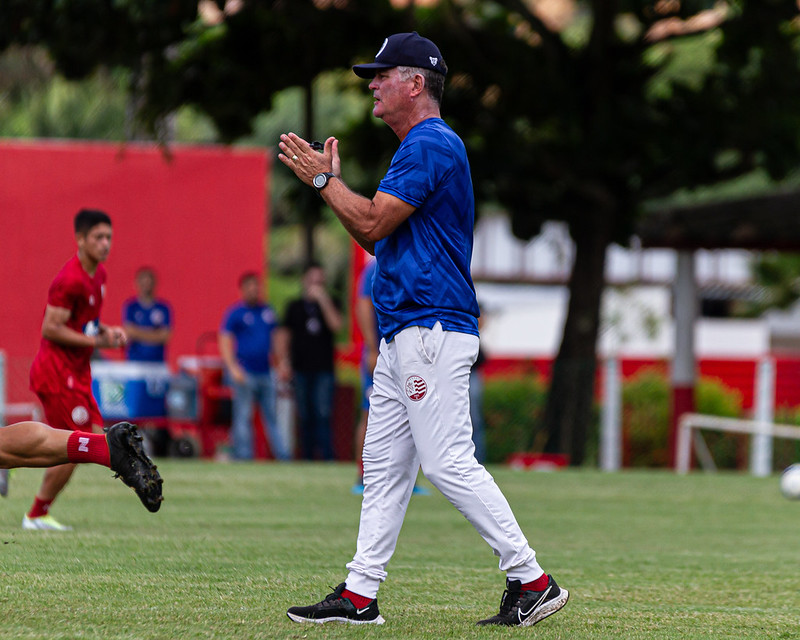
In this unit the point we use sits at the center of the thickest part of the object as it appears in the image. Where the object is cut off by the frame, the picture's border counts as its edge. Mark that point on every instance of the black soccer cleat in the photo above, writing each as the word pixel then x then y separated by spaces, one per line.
pixel 525 608
pixel 132 465
pixel 335 608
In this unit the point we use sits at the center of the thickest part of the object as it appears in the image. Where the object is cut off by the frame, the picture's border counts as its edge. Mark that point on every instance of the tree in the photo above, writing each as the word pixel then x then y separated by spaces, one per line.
pixel 229 67
pixel 586 121
pixel 582 120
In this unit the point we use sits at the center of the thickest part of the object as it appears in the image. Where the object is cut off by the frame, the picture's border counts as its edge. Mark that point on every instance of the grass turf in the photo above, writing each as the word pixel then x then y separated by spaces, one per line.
pixel 645 555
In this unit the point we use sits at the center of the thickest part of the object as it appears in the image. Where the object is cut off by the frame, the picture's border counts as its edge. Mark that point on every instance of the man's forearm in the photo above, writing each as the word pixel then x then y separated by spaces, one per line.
pixel 354 211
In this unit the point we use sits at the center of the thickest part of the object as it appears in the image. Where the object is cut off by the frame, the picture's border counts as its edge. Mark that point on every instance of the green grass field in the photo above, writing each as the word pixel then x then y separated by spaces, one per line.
pixel 645 555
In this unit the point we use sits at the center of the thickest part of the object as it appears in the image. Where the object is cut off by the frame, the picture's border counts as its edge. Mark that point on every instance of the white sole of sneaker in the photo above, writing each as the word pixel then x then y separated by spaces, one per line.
pixel 548 609
pixel 378 620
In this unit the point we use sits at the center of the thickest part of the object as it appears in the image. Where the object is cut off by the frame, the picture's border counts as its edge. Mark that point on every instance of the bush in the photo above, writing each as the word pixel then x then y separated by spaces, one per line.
pixel 646 414
pixel 714 398
pixel 645 420
pixel 512 409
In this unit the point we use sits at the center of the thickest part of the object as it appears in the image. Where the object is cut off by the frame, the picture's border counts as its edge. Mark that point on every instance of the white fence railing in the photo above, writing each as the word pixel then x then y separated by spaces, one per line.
pixel 688 434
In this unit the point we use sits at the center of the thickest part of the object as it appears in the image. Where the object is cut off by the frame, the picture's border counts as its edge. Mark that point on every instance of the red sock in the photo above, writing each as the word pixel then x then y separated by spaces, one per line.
pixel 40 507
pixel 540 584
pixel 359 601
pixel 88 447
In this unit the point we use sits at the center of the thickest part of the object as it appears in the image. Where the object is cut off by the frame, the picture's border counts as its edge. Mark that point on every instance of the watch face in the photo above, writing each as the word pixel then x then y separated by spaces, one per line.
pixel 320 180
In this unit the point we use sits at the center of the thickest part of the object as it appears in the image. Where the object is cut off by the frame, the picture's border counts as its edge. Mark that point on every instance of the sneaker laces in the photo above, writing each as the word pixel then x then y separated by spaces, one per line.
pixel 333 599
pixel 510 601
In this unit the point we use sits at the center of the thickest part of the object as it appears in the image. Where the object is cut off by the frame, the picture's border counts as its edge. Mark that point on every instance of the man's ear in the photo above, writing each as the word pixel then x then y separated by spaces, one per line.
pixel 419 84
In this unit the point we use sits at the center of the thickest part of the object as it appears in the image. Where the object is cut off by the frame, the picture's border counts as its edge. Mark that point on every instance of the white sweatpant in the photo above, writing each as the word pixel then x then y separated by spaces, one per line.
pixel 419 415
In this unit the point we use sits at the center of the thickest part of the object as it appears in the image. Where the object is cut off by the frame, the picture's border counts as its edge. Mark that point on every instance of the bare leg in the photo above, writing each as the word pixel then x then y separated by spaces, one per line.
pixel 54 480
pixel 56 477
pixel 32 444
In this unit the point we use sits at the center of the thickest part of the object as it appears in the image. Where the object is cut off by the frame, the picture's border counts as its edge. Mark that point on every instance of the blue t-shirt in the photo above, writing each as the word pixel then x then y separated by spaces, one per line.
pixel 155 316
pixel 423 274
pixel 252 327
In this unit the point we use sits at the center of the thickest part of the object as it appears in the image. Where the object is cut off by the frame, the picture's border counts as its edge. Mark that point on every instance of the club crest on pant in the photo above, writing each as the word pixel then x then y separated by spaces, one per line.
pixel 416 388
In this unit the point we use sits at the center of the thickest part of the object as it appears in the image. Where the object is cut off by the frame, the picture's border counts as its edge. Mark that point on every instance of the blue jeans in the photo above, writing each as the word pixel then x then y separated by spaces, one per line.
pixel 314 395
pixel 257 388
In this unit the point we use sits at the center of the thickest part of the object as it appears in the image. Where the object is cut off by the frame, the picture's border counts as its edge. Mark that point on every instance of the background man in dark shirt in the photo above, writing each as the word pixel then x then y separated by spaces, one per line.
pixel 306 349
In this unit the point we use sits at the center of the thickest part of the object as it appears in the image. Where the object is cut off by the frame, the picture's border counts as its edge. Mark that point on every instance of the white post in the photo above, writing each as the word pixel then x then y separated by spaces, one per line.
pixel 611 437
pixel 684 369
pixel 683 453
pixel 761 442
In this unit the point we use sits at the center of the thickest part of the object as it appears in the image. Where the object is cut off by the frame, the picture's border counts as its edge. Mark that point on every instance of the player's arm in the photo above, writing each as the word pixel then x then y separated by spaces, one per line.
pixel 365 317
pixel 147 335
pixel 54 328
pixel 281 343
pixel 330 314
pixel 366 220
pixel 226 350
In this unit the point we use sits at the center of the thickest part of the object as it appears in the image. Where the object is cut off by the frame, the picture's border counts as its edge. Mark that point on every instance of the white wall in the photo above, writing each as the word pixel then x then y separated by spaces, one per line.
pixel 528 321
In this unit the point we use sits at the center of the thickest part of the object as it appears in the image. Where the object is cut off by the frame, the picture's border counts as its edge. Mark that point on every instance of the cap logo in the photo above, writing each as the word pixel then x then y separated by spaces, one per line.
pixel 433 60
pixel 383 46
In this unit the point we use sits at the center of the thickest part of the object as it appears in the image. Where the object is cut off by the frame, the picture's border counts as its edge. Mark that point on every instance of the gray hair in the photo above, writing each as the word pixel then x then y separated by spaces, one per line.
pixel 434 81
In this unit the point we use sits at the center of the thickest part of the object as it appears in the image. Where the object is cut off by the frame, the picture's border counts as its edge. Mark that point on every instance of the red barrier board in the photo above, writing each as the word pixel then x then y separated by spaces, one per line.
pixel 198 215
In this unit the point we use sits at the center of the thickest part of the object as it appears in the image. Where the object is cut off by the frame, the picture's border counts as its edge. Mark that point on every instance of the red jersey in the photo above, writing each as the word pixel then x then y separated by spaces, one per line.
pixel 57 366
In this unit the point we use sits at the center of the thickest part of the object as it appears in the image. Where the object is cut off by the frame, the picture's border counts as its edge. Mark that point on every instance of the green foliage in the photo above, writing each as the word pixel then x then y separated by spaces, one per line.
pixel 712 397
pixel 646 417
pixel 779 275
pixel 92 109
pixel 512 407
pixel 647 414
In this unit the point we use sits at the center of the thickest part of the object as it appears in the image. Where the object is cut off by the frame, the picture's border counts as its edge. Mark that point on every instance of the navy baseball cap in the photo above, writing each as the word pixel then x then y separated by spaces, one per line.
pixel 404 50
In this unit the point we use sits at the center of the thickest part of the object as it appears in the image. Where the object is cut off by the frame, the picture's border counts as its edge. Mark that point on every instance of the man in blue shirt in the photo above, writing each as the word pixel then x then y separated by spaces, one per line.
pixel 245 344
pixel 419 226
pixel 147 320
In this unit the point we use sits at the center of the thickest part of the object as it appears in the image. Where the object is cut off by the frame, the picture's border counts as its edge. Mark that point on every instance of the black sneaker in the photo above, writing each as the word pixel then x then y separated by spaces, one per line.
pixel 335 608
pixel 526 608
pixel 132 465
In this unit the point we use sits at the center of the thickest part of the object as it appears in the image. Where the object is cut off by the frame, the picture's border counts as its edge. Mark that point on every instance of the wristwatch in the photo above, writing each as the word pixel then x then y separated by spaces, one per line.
pixel 321 180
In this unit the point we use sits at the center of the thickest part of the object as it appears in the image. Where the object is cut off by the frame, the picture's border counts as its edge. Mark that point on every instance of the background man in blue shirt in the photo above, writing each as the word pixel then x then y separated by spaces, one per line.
pixel 147 320
pixel 419 226
pixel 245 344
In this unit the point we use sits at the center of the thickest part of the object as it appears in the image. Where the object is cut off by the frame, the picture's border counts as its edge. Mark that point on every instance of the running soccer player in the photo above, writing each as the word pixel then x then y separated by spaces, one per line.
pixel 419 226
pixel 35 444
pixel 71 329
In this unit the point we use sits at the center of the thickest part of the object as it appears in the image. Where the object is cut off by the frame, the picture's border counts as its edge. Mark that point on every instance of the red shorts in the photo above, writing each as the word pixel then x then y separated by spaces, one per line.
pixel 71 409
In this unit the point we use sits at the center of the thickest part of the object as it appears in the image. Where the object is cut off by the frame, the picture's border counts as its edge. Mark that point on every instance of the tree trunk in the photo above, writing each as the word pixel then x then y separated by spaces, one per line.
pixel 569 401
